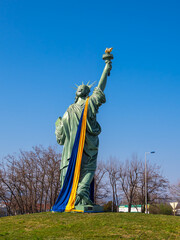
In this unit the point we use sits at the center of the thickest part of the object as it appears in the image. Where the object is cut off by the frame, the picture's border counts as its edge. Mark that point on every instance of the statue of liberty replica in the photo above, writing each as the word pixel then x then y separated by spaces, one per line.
pixel 78 131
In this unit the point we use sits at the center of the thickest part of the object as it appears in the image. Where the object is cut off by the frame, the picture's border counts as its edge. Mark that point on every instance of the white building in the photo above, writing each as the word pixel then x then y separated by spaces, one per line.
pixel 134 208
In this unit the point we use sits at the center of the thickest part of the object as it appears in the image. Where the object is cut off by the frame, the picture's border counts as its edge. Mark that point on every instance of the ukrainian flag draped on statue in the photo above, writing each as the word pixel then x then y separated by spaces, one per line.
pixel 67 196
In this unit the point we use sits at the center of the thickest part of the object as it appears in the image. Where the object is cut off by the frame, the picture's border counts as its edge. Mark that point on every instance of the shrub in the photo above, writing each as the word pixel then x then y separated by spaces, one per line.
pixel 162 208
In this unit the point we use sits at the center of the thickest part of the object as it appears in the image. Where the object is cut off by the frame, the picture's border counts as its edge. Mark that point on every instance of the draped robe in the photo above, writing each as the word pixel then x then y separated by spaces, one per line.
pixel 66 129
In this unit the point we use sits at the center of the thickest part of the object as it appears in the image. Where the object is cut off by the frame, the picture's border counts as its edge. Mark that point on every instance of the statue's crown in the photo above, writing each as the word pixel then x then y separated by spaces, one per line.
pixel 87 85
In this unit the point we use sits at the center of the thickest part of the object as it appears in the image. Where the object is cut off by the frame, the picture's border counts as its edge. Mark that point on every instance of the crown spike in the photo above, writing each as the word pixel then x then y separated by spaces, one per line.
pixel 90 86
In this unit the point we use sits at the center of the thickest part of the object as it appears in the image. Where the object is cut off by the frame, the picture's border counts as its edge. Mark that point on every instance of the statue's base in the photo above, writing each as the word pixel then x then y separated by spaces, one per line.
pixel 89 208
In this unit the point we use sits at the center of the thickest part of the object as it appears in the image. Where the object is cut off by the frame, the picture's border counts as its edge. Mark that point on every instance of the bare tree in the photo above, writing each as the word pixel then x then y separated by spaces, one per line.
pixel 101 190
pixel 113 174
pixel 175 191
pixel 129 178
pixel 157 185
pixel 29 181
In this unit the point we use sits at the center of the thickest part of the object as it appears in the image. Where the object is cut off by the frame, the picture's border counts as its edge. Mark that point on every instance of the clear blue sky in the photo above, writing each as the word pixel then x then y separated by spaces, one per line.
pixel 47 46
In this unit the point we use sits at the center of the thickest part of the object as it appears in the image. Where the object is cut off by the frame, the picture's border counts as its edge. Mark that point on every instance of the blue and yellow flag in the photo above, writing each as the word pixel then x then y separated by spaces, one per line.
pixel 67 196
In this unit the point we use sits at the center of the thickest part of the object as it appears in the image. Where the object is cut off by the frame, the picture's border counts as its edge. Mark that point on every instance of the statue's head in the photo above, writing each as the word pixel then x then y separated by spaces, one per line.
pixel 83 90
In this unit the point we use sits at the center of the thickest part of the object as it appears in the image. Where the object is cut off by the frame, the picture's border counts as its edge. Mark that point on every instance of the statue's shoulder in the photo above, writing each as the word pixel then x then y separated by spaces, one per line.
pixel 97 93
pixel 97 97
pixel 72 108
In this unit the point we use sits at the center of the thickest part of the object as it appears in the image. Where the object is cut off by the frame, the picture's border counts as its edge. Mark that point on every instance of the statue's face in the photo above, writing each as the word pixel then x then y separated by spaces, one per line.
pixel 82 91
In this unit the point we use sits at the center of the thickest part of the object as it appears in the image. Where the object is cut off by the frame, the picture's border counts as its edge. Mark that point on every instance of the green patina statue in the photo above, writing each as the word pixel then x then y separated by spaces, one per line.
pixel 66 128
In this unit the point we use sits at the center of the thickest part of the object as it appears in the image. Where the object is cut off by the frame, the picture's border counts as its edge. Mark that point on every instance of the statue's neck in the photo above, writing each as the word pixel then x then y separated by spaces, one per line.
pixel 81 100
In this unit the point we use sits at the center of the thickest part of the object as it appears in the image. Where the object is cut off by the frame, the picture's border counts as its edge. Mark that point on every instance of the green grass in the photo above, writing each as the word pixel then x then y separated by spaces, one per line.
pixel 90 226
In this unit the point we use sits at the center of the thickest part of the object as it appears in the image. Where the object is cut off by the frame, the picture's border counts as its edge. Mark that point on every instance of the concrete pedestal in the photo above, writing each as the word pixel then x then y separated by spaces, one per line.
pixel 90 208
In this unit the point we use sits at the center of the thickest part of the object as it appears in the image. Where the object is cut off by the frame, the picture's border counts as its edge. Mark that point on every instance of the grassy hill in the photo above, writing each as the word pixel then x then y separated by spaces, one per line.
pixel 90 226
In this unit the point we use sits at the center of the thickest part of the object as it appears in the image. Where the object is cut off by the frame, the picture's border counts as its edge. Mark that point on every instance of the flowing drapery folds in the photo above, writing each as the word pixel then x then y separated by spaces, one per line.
pixel 67 196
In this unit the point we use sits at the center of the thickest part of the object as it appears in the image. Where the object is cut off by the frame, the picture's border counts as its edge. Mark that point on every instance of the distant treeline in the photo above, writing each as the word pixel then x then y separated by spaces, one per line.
pixel 29 181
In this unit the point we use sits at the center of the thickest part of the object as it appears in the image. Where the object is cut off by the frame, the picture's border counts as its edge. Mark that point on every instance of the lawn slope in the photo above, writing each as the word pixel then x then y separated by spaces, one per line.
pixel 90 226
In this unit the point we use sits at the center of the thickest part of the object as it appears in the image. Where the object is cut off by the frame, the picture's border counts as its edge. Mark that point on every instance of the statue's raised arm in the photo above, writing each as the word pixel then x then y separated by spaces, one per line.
pixel 106 72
